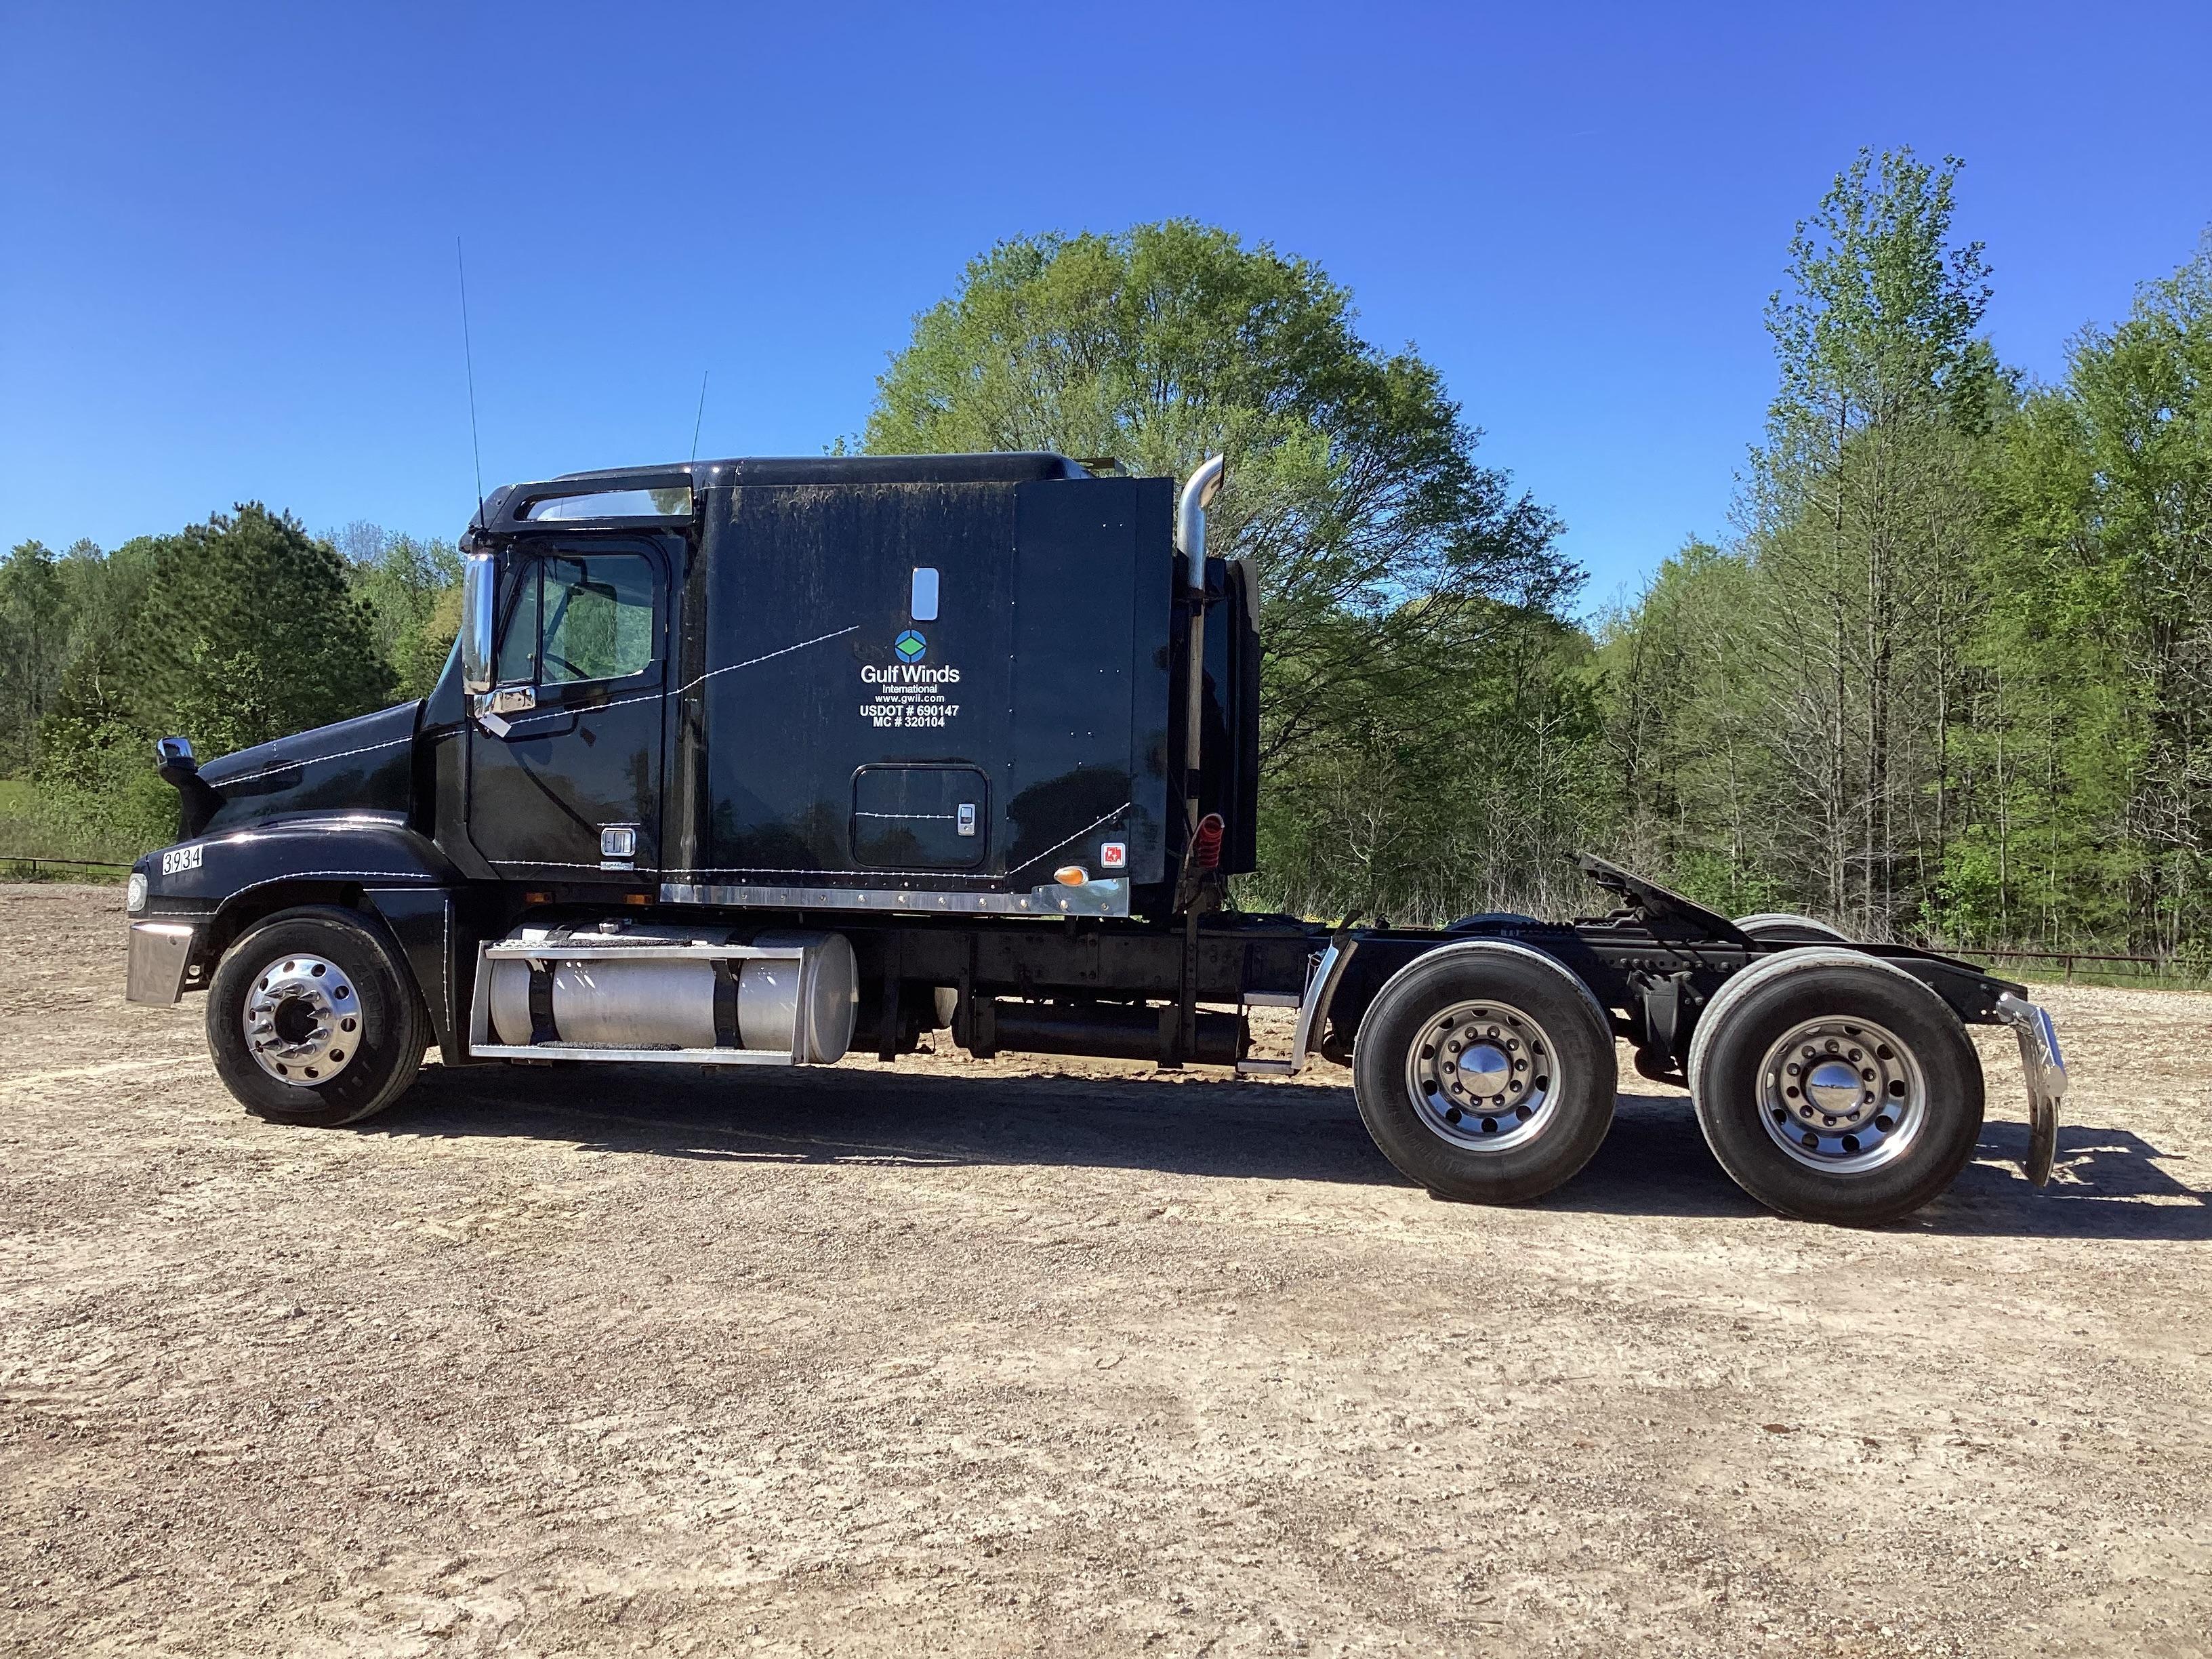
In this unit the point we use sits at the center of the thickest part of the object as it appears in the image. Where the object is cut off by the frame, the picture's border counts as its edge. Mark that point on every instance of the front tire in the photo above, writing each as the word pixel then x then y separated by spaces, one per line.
pixel 1836 1087
pixel 314 1021
pixel 1485 1072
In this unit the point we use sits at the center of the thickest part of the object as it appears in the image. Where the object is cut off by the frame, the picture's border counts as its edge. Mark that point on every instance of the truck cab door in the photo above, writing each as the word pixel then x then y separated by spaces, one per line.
pixel 564 766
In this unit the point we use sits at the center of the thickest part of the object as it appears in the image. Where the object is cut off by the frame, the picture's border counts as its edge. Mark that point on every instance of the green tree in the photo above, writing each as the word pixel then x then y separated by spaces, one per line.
pixel 1864 513
pixel 34 634
pixel 1692 787
pixel 2098 729
pixel 246 631
pixel 401 581
pixel 420 658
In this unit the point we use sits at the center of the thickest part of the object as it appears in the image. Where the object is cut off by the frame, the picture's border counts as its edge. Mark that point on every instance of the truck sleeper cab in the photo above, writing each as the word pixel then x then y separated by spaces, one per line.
pixel 755 762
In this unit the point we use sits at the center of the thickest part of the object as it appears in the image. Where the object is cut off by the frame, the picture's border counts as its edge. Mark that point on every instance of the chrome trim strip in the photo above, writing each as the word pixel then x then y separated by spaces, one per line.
pixel 1107 897
pixel 575 950
pixel 2045 1066
pixel 645 1056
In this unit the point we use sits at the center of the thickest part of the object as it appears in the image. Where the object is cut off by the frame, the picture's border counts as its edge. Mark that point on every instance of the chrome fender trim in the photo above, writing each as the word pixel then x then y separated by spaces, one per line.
pixel 2045 1069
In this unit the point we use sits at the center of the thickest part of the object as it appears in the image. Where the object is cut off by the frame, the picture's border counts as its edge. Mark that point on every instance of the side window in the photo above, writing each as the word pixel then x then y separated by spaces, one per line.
pixel 597 617
pixel 517 663
pixel 578 618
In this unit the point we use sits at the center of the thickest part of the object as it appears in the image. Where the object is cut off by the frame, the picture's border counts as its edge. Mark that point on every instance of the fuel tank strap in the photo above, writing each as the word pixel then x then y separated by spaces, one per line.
pixel 542 1028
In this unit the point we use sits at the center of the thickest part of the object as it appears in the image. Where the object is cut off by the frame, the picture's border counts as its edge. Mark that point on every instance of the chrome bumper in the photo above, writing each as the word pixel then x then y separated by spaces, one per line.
pixel 159 951
pixel 2045 1068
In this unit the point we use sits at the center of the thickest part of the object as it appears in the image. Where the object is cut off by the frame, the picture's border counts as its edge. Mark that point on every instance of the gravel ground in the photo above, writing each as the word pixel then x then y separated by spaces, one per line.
pixel 974 1357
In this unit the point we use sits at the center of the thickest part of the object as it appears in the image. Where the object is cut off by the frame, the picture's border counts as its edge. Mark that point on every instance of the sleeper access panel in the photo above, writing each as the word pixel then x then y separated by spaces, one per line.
pixel 935 688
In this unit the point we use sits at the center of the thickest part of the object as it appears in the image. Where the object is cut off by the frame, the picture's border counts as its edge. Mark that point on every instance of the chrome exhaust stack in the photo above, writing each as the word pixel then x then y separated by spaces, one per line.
pixel 1190 536
pixel 1190 516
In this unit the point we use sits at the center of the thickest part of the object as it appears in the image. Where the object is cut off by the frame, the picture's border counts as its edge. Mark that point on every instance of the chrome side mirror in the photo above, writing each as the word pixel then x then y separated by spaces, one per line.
pixel 479 583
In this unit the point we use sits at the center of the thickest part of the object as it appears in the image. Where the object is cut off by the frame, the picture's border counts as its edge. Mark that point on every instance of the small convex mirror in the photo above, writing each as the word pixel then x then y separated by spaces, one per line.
pixel 923 607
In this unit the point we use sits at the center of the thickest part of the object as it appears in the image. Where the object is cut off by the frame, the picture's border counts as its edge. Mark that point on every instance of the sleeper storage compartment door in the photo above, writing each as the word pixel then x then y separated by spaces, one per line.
pixel 921 817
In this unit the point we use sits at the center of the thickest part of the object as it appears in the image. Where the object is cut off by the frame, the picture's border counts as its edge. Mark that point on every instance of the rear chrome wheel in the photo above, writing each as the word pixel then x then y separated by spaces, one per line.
pixel 1843 1096
pixel 1481 1076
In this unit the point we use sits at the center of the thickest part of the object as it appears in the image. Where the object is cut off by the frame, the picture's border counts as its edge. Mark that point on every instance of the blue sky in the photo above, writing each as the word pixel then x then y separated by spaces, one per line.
pixel 227 232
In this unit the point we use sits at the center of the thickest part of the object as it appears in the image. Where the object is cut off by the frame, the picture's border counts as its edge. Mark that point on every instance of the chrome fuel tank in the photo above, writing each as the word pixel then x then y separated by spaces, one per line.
pixel 661 991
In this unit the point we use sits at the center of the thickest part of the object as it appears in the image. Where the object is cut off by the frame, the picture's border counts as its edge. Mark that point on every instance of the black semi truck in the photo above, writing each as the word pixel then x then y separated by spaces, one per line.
pixel 758 761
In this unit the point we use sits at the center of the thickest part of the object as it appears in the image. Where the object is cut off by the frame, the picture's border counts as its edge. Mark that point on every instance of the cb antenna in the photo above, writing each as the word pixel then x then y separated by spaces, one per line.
pixel 469 360
pixel 701 416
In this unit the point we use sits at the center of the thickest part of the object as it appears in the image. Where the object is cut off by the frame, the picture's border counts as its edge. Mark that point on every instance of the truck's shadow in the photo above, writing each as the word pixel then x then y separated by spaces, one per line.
pixel 1654 1162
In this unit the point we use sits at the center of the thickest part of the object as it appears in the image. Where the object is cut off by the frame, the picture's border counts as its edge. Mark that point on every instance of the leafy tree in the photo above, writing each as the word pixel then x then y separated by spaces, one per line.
pixel 34 631
pixel 1863 512
pixel 401 581
pixel 246 631
pixel 421 656
pixel 1692 789
pixel 2100 641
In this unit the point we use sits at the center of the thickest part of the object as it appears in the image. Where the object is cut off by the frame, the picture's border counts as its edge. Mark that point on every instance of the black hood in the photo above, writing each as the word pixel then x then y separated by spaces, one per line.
pixel 364 764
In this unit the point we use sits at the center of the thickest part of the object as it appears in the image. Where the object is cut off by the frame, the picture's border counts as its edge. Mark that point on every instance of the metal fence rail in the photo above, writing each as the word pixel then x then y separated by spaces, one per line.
pixel 36 862
pixel 2146 967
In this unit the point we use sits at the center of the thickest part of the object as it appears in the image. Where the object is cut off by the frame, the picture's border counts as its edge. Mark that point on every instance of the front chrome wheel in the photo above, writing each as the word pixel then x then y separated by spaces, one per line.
pixel 1481 1075
pixel 303 1019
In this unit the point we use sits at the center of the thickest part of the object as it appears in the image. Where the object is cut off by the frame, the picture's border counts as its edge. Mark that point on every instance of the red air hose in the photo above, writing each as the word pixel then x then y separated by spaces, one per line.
pixel 1205 850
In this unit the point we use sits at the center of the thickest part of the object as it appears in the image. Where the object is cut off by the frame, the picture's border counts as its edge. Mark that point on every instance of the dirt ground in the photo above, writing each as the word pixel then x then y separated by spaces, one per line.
pixel 1014 1357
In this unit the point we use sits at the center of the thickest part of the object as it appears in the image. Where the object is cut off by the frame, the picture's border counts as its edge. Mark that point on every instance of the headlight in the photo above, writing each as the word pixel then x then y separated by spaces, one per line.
pixel 134 893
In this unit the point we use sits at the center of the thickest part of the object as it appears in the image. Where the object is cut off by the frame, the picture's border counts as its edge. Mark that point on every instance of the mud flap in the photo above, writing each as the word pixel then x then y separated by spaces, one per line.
pixel 2045 1071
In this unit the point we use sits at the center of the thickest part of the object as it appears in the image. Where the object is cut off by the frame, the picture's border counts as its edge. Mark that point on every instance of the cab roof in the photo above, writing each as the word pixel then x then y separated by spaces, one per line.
pixel 512 505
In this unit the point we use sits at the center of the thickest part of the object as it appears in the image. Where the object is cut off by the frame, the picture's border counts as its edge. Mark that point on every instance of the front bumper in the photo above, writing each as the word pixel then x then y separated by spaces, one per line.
pixel 2045 1069
pixel 159 952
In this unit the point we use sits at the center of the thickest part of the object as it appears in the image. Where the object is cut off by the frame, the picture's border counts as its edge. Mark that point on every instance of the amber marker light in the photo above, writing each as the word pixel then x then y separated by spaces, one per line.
pixel 1070 875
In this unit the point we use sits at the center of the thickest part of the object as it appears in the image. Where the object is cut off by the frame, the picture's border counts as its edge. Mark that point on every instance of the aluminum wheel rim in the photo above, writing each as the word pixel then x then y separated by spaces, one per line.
pixel 303 1020
pixel 1483 1075
pixel 1842 1096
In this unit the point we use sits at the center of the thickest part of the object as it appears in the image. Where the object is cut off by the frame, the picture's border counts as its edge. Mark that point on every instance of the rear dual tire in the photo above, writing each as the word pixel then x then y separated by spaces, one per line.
pixel 1485 1072
pixel 1829 1086
pixel 1834 1086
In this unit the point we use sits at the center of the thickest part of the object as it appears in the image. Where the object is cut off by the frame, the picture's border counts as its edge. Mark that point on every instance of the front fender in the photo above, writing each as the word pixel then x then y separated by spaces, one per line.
pixel 220 885
pixel 211 876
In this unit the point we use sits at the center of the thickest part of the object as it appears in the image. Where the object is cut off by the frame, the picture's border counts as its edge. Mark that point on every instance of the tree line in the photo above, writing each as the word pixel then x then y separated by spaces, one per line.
pixel 1949 678
pixel 231 633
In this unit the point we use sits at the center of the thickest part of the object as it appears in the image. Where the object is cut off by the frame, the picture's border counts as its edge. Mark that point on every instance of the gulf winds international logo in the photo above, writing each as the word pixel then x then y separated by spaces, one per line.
pixel 908 692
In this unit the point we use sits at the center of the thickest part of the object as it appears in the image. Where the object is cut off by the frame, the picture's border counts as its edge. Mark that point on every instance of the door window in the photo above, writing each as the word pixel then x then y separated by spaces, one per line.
pixel 579 617
pixel 598 616
pixel 517 663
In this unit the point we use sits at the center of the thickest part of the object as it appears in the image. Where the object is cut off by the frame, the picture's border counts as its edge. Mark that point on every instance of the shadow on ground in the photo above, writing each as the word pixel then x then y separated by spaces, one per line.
pixel 1654 1163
